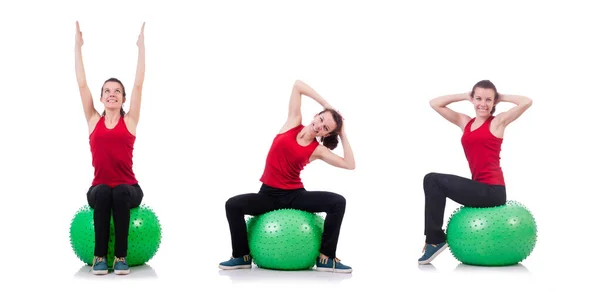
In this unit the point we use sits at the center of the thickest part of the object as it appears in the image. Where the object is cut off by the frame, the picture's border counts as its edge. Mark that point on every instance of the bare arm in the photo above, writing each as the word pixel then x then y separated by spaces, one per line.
pixel 294 109
pixel 345 162
pixel 439 105
pixel 84 91
pixel 523 103
pixel 136 94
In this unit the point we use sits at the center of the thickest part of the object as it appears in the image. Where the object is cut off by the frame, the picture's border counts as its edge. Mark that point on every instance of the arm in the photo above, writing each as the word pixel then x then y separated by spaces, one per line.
pixel 439 105
pixel 136 94
pixel 84 91
pixel 294 109
pixel 345 162
pixel 523 103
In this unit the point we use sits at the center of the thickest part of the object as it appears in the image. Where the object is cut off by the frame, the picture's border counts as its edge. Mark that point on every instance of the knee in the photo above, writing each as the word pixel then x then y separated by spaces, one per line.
pixel 430 178
pixel 338 202
pixel 232 204
pixel 121 193
pixel 100 193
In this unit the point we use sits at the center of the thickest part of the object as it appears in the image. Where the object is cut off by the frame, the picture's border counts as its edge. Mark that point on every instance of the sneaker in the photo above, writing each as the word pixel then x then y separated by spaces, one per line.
pixel 120 266
pixel 332 265
pixel 242 262
pixel 431 251
pixel 99 266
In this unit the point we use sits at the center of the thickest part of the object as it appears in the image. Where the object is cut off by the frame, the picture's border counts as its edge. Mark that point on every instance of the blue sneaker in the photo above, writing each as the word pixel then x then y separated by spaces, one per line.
pixel 242 262
pixel 120 266
pixel 332 265
pixel 431 251
pixel 99 266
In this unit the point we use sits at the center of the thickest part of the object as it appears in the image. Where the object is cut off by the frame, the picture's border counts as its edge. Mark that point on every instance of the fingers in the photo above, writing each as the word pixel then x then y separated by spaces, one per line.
pixel 77 26
pixel 143 26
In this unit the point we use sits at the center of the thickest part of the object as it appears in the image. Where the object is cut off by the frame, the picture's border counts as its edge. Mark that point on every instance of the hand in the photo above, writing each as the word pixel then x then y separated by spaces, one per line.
pixel 140 41
pixel 500 99
pixel 342 128
pixel 78 35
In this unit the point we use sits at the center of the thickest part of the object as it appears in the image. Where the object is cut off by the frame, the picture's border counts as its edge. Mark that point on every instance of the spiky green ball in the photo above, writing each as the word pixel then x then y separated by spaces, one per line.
pixel 142 244
pixel 496 236
pixel 285 239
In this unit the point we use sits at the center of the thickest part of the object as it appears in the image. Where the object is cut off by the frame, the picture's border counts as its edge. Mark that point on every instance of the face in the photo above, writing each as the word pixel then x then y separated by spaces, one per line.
pixel 483 100
pixel 323 124
pixel 112 95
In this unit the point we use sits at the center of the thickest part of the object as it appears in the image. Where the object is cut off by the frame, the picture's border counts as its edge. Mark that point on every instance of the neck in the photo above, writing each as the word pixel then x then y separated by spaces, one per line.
pixel 306 134
pixel 112 115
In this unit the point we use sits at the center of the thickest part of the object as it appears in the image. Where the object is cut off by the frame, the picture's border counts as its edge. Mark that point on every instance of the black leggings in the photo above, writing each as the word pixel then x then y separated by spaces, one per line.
pixel 269 199
pixel 119 199
pixel 461 190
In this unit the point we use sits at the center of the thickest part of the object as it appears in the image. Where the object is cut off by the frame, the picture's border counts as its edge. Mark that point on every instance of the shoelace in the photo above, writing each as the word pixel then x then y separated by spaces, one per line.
pixel 95 261
pixel 118 259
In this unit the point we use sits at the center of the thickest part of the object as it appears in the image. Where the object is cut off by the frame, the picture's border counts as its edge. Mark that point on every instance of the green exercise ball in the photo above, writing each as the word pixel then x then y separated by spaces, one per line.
pixel 142 243
pixel 285 239
pixel 495 236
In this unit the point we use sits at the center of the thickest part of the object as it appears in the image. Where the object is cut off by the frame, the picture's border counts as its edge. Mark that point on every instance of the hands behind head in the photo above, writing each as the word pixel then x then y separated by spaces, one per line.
pixel 343 119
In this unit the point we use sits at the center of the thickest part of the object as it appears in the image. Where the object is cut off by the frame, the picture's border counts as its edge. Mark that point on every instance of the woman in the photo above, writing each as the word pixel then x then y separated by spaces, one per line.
pixel 112 136
pixel 294 147
pixel 481 139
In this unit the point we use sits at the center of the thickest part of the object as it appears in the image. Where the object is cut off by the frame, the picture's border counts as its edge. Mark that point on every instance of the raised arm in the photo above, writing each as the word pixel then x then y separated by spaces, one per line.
pixel 294 109
pixel 345 162
pixel 522 104
pixel 136 94
pixel 439 105
pixel 84 91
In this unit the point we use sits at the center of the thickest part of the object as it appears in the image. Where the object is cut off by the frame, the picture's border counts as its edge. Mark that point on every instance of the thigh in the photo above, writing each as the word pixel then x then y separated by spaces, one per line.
pixel 132 194
pixel 316 201
pixel 98 192
pixel 252 203
pixel 468 192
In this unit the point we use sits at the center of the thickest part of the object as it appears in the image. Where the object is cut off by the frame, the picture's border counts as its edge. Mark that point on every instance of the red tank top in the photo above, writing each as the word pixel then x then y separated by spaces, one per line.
pixel 482 150
pixel 112 154
pixel 286 159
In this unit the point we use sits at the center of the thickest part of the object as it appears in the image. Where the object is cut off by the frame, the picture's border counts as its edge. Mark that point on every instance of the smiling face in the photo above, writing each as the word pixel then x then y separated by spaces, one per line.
pixel 323 124
pixel 483 101
pixel 112 95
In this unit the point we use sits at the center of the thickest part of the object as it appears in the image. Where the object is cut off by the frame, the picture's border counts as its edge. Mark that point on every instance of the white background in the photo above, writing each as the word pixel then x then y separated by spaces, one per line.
pixel 218 79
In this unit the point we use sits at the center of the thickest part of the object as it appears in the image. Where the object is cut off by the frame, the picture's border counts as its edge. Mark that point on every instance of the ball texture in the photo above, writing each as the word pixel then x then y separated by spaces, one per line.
pixel 285 239
pixel 495 236
pixel 143 242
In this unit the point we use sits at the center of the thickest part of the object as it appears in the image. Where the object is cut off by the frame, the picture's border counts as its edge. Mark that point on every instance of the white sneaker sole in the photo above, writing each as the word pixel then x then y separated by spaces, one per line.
pixel 121 272
pixel 235 267
pixel 99 272
pixel 341 271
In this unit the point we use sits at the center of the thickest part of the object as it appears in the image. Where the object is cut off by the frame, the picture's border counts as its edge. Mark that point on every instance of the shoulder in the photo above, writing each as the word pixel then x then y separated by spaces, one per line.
pixel 291 129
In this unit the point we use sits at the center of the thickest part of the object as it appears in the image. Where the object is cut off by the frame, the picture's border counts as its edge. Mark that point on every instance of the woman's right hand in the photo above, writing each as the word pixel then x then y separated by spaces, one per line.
pixel 78 35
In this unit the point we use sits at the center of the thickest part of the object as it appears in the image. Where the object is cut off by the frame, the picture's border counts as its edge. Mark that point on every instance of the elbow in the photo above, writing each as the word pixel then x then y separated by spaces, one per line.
pixel 527 102
pixel 433 103
pixel 351 166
